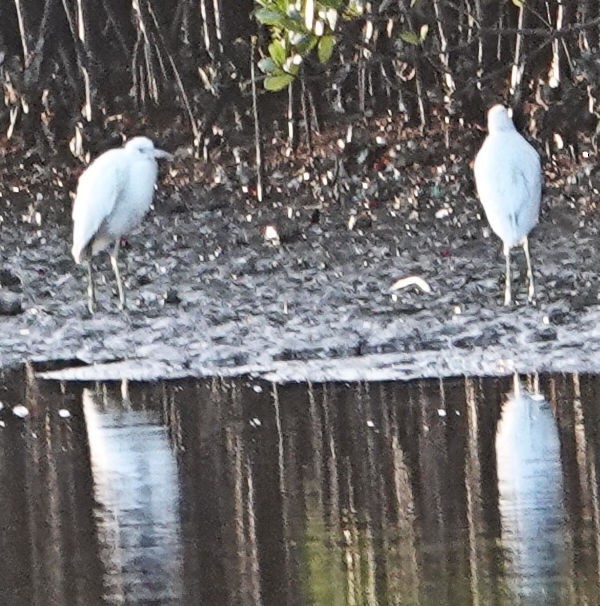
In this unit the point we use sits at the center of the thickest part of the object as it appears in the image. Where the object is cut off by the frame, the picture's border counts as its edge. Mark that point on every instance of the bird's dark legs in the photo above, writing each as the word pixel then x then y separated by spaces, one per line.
pixel 507 294
pixel 91 289
pixel 113 261
pixel 531 291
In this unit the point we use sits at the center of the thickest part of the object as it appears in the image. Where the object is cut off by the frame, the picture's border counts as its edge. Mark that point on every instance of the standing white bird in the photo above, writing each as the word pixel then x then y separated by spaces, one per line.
pixel 113 195
pixel 508 175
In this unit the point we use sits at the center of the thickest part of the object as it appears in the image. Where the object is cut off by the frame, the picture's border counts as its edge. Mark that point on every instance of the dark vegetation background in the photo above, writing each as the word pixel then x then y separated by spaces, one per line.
pixel 78 75
pixel 72 67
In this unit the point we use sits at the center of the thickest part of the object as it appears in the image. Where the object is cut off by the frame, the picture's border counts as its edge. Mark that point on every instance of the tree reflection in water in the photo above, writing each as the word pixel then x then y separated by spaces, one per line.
pixel 242 492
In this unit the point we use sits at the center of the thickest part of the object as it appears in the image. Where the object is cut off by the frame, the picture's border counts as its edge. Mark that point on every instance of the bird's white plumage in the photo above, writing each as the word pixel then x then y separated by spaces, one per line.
pixel 113 195
pixel 508 175
pixel 98 189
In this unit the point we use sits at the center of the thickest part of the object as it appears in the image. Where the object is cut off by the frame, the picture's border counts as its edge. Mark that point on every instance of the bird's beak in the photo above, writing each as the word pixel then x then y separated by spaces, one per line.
pixel 160 154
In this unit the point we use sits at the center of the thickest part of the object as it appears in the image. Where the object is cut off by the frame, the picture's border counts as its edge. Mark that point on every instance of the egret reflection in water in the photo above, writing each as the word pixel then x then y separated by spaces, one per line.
pixel 530 495
pixel 136 489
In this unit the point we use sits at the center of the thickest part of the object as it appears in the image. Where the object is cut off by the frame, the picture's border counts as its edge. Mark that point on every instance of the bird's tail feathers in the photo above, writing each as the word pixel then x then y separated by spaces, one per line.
pixel 81 253
pixel 77 254
pixel 513 218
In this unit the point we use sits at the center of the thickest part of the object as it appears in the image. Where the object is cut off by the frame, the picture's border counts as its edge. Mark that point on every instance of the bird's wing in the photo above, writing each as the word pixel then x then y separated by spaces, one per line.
pixel 97 193
pixel 509 182
pixel 527 187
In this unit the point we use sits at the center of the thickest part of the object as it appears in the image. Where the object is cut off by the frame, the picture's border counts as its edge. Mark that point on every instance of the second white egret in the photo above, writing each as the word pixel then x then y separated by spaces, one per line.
pixel 508 175
pixel 113 195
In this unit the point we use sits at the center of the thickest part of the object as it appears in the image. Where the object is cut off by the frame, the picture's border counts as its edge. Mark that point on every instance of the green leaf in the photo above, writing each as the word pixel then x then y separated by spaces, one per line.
pixel 325 48
pixel 353 10
pixel 267 65
pixel 292 68
pixel 306 44
pixel 337 4
pixel 269 17
pixel 423 32
pixel 295 25
pixel 410 37
pixel 277 83
pixel 276 5
pixel 277 52
pixel 519 3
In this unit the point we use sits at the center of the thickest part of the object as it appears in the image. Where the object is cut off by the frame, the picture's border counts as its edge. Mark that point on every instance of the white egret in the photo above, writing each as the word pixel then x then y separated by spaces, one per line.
pixel 113 195
pixel 508 175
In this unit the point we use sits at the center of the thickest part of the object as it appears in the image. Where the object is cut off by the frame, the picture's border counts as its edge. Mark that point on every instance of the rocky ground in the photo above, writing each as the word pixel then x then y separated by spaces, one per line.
pixel 211 292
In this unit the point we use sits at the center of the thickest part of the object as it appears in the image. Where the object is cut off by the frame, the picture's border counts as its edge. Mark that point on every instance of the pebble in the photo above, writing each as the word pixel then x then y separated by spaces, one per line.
pixel 11 304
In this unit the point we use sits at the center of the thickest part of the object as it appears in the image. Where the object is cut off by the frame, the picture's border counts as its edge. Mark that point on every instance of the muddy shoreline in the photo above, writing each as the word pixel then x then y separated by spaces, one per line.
pixel 210 295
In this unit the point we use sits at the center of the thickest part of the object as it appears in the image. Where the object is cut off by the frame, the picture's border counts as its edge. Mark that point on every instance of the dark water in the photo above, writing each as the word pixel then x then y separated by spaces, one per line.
pixel 238 492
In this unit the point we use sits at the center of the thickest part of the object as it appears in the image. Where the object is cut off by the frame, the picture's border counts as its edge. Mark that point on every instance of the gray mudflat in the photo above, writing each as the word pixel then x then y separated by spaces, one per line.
pixel 208 295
